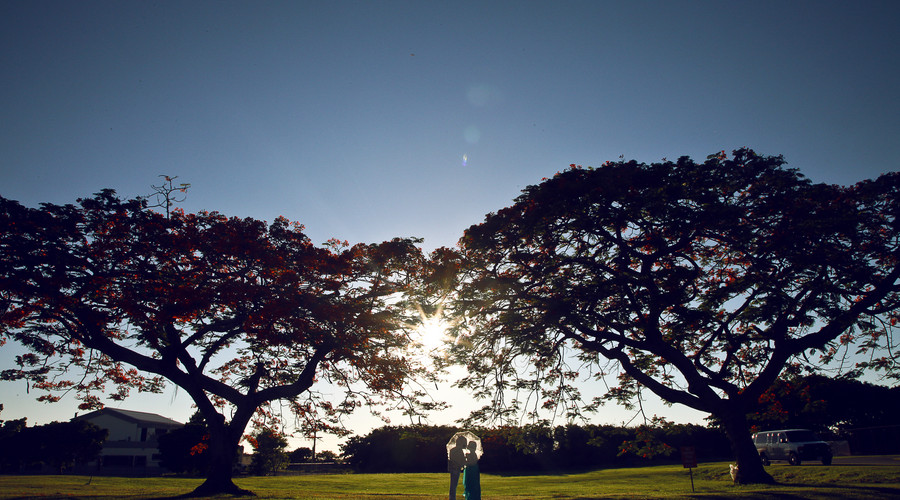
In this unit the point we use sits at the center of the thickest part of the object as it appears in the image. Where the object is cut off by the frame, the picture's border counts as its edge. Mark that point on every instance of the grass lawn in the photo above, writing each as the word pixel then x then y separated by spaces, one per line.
pixel 710 481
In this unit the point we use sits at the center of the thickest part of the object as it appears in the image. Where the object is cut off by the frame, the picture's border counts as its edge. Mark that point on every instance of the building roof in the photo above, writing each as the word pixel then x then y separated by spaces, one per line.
pixel 138 417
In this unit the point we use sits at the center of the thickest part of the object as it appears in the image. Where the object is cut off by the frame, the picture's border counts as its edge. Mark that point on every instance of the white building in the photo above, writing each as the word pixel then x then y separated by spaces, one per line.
pixel 132 445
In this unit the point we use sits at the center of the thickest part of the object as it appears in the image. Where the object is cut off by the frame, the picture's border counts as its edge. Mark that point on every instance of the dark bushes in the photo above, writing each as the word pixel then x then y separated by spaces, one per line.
pixel 531 448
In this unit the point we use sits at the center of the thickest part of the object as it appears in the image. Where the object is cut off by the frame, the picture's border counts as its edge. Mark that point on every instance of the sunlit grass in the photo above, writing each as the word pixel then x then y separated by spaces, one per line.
pixel 710 481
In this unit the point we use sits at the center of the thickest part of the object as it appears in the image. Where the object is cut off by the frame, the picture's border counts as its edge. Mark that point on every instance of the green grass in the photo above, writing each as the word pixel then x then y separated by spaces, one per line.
pixel 710 481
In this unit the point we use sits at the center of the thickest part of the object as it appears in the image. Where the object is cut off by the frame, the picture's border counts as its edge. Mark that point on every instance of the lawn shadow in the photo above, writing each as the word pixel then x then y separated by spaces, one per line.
pixel 840 493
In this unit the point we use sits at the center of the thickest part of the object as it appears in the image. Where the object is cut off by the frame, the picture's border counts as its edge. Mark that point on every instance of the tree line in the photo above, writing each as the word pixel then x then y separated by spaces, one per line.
pixel 58 446
pixel 532 448
pixel 837 409
pixel 831 406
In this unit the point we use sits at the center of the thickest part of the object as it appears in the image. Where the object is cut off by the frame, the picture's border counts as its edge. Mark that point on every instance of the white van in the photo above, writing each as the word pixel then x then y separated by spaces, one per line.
pixel 793 445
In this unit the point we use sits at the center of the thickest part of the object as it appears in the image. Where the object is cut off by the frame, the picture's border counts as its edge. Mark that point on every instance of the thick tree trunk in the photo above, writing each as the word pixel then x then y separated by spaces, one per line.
pixel 223 448
pixel 219 480
pixel 748 461
pixel 219 484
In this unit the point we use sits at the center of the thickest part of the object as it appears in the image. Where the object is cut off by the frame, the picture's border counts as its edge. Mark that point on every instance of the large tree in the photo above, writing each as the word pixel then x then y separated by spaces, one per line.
pixel 699 281
pixel 237 312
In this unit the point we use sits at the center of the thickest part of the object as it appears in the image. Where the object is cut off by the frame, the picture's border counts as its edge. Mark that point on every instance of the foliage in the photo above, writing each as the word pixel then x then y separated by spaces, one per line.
pixel 63 444
pixel 300 455
pixel 268 452
pixel 183 450
pixel 646 444
pixel 837 408
pixel 827 405
pixel 15 451
pixel 415 448
pixel 700 282
pixel 166 194
pixel 532 448
pixel 58 445
pixel 237 312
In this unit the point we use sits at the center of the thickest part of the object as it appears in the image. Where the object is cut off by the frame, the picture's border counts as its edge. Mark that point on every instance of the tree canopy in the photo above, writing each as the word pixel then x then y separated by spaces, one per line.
pixel 698 281
pixel 108 295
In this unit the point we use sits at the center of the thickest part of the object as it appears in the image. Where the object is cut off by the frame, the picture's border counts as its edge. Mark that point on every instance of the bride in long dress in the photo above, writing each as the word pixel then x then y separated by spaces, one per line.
pixel 471 474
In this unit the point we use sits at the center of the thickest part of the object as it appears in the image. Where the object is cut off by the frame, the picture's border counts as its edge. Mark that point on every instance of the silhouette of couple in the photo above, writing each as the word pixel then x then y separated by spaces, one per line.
pixel 464 458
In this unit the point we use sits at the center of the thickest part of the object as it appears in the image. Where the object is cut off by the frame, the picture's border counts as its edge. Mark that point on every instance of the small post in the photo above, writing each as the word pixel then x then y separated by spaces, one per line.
pixel 689 461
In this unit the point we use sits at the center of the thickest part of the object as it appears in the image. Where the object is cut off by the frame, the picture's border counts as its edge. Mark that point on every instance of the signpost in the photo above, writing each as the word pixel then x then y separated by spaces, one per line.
pixel 689 461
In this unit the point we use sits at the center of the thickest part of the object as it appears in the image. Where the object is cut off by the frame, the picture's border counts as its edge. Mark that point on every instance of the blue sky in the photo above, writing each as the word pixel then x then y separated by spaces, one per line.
pixel 367 120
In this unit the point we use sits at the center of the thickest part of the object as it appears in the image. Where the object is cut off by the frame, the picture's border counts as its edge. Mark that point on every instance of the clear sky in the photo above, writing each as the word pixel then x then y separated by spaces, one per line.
pixel 367 120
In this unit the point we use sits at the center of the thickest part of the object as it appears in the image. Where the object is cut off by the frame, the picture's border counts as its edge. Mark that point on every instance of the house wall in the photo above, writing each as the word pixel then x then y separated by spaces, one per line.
pixel 132 447
pixel 119 429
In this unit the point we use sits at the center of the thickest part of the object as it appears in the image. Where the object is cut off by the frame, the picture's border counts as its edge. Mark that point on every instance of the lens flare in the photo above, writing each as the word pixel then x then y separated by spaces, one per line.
pixel 432 332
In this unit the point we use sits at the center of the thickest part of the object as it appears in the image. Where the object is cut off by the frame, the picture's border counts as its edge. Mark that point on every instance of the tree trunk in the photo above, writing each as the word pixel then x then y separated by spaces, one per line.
pixel 218 483
pixel 223 447
pixel 748 461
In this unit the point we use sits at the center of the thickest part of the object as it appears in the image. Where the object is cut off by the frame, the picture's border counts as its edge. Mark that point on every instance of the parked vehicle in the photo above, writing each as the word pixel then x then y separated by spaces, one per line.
pixel 793 445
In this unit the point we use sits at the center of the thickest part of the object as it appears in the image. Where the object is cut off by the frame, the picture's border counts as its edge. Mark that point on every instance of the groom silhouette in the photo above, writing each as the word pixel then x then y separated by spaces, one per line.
pixel 456 460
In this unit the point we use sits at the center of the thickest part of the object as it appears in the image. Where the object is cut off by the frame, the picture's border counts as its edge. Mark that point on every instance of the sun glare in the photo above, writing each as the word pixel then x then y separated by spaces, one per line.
pixel 432 333
pixel 433 330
